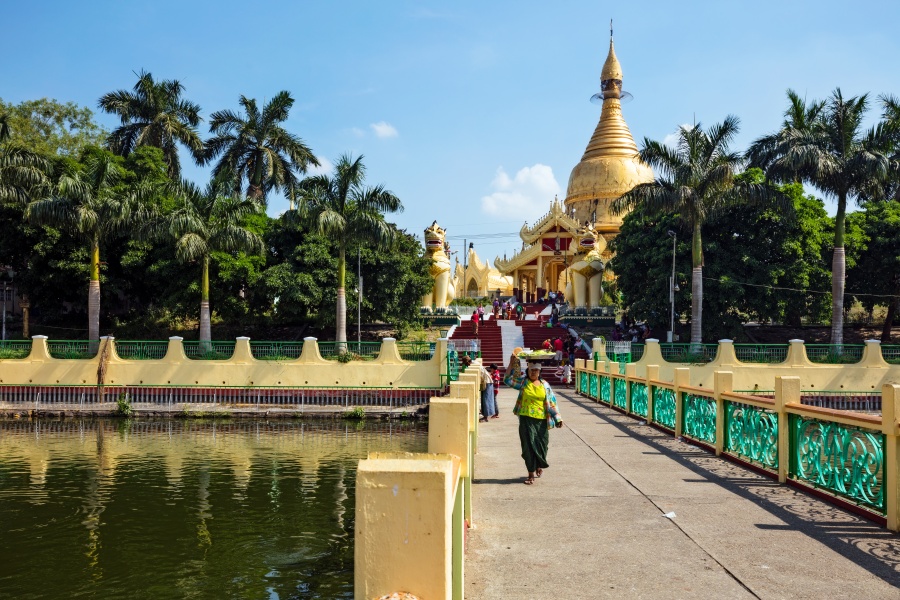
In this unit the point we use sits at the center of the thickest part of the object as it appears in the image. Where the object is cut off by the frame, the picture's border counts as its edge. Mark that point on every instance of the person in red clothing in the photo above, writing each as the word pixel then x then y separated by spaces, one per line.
pixel 475 319
pixel 558 346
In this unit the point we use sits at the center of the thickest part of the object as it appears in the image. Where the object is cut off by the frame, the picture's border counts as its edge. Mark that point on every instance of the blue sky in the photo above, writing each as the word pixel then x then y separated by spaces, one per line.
pixel 473 113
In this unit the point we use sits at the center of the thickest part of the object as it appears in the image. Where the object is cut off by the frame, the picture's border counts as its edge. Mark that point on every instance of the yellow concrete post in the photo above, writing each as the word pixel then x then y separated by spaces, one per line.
pixel 598 346
pixel 310 352
pixel 787 391
pixel 796 355
pixel 725 356
pixel 630 374
pixel 652 352
pixel 652 375
pixel 682 377
pixel 175 350
pixel 448 429
pixel 467 389
pixel 872 355
pixel 242 353
pixel 890 413
pixel 404 525
pixel 390 353
pixel 39 350
pixel 723 382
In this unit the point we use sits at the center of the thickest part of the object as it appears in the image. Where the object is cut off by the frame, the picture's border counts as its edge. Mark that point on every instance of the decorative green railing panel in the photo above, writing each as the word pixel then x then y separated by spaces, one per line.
pixel 12 350
pixel 689 353
pixel 592 385
pixel 209 350
pixel 664 407
pixel 72 349
pixel 582 382
pixel 845 460
pixel 700 418
pixel 357 350
pixel 761 353
pixel 891 354
pixel 605 388
pixel 452 366
pixel 276 350
pixel 639 398
pixel 141 350
pixel 752 433
pixel 619 395
pixel 416 351
pixel 834 355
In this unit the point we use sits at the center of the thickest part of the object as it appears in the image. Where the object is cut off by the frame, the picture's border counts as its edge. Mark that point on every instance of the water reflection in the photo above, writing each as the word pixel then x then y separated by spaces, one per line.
pixel 193 509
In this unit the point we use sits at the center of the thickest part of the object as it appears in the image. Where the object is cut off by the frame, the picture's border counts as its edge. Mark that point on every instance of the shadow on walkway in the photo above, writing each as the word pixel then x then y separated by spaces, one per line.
pixel 867 544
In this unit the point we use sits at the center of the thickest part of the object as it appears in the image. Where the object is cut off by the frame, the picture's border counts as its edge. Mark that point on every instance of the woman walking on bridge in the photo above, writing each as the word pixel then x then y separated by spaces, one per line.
pixel 537 412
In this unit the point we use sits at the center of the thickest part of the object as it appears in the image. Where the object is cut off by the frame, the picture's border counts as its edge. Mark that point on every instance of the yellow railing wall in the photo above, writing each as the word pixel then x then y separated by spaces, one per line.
pixel 870 373
pixel 241 370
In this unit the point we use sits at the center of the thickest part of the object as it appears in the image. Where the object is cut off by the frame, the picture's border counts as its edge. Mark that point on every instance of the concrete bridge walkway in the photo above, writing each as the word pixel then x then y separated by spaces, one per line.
pixel 594 527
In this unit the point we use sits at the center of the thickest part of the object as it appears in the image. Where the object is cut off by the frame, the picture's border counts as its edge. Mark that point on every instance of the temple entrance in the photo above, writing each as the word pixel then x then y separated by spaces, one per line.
pixel 554 275
pixel 472 289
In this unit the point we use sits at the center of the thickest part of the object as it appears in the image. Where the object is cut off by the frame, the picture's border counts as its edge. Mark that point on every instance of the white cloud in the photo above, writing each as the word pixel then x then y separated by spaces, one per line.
pixel 356 131
pixel 528 193
pixel 326 167
pixel 671 140
pixel 383 129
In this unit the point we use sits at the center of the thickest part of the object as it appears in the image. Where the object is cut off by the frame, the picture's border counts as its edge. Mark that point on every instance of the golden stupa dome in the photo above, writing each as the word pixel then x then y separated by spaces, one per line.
pixel 610 166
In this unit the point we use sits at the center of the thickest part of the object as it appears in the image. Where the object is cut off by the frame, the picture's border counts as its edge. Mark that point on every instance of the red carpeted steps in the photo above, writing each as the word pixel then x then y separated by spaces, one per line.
pixel 534 335
pixel 490 337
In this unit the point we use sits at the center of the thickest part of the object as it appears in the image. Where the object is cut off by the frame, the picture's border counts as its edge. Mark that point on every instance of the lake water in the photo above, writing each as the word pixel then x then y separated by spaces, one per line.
pixel 183 509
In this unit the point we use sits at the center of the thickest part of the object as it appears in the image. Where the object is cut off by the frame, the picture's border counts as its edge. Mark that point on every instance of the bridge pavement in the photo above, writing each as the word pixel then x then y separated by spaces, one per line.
pixel 594 527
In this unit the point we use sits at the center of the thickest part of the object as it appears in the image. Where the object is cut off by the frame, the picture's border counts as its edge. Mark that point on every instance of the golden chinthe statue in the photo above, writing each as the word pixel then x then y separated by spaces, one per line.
pixel 443 292
pixel 585 286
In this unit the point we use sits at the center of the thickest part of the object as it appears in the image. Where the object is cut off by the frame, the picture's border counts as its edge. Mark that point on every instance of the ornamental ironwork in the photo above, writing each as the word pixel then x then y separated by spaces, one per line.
pixel 582 382
pixel 845 460
pixel 604 388
pixel 752 433
pixel 700 418
pixel 664 407
pixel 592 382
pixel 639 398
pixel 619 395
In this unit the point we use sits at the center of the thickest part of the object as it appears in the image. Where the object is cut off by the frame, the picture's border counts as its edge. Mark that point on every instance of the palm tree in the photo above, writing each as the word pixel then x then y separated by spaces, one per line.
pixel 205 221
pixel 256 148
pixel 154 114
pixel 21 171
pixel 799 117
pixel 696 179
pixel 90 202
pixel 835 155
pixel 342 209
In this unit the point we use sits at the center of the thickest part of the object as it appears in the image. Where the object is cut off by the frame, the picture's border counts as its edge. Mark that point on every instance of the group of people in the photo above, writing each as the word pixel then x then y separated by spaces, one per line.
pixel 508 309
pixel 636 333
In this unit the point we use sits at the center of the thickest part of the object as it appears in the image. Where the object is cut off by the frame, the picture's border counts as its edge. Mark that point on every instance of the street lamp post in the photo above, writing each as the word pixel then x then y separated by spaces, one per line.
pixel 672 288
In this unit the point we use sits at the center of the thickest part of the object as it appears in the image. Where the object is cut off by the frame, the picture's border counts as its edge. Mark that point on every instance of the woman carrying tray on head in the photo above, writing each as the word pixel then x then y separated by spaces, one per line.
pixel 537 412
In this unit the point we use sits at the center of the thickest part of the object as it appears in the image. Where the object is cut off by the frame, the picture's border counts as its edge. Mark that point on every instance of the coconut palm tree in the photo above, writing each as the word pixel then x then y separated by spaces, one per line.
pixel 21 171
pixel 341 208
pixel 154 114
pixel 695 180
pixel 838 157
pixel 256 149
pixel 90 202
pixel 204 221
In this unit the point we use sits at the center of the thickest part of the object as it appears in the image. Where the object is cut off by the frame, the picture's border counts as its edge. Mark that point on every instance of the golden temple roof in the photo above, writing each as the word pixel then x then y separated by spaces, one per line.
pixel 610 166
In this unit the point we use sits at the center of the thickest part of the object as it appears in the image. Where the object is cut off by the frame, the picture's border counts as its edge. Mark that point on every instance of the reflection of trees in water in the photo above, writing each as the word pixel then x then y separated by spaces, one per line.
pixel 224 509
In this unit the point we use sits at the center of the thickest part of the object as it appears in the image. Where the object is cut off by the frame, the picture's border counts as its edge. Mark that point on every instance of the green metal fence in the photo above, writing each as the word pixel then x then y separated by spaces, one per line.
pixel 356 350
pixel 141 349
pixel 276 351
pixel 72 349
pixel 700 418
pixel 891 354
pixel 843 354
pixel 639 398
pixel 689 353
pixel 664 404
pixel 415 351
pixel 761 353
pixel 209 350
pixel 14 349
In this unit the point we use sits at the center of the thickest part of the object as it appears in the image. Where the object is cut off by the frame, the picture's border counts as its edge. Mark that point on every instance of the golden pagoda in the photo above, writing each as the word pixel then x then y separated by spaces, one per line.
pixel 610 166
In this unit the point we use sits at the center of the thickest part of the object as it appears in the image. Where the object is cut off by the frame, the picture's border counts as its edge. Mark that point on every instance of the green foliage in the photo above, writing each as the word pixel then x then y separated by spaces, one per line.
pixel 877 266
pixel 748 252
pixel 51 128
pixel 123 405
pixel 356 414
pixel 345 357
